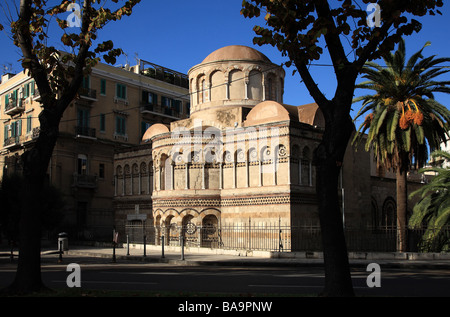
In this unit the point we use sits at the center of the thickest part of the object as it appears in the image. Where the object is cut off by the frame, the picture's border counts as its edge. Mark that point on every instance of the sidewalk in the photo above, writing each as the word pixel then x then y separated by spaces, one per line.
pixel 203 256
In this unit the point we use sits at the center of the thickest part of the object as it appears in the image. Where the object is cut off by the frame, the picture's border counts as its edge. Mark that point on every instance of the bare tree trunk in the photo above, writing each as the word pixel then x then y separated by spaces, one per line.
pixel 35 163
pixel 402 205
pixel 328 159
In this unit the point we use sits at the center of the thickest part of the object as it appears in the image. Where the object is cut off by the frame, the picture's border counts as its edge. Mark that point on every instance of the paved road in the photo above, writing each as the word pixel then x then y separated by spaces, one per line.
pixel 100 273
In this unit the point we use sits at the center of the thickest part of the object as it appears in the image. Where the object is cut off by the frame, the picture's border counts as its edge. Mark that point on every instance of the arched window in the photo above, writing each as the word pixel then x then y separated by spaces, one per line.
pixel 389 212
pixel 237 84
pixel 374 213
pixel 306 172
pixel 209 232
pixel 217 86
pixel 255 85
pixel 271 87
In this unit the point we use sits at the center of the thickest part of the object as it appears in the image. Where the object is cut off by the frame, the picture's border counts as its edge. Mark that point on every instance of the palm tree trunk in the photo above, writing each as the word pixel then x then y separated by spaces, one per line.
pixel 402 205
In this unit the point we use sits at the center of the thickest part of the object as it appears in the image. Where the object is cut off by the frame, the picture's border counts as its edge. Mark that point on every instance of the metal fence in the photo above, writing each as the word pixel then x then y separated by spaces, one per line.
pixel 267 237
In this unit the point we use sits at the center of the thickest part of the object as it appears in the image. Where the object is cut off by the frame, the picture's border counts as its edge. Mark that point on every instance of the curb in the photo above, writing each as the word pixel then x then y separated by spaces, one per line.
pixel 401 263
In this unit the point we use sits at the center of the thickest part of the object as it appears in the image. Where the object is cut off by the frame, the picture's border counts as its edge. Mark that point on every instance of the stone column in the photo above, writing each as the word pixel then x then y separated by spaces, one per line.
pixel 299 171
pixel 203 175
pixel 247 172
pixel 260 173
pixel 140 180
pixel 289 170
pixel 172 178
pixel 115 185
pixel 274 170
pixel 234 175
pixel 187 176
pixel 220 175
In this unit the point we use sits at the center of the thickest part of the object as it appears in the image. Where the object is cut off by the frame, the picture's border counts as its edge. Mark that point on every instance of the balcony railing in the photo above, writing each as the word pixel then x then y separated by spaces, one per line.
pixel 164 74
pixel 88 93
pixel 85 132
pixel 84 181
pixel 14 107
pixel 12 141
pixel 154 108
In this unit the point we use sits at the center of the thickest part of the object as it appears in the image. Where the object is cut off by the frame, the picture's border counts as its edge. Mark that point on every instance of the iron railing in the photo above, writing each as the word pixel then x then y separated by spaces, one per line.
pixel 254 237
pixel 271 237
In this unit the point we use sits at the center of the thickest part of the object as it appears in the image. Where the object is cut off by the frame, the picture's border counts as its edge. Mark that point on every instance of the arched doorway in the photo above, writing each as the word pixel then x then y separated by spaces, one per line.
pixel 171 231
pixel 189 231
pixel 210 232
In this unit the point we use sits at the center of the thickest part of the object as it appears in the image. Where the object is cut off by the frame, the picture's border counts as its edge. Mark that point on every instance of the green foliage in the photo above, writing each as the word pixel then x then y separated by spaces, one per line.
pixel 299 25
pixel 402 116
pixel 433 208
pixel 30 34
pixel 50 206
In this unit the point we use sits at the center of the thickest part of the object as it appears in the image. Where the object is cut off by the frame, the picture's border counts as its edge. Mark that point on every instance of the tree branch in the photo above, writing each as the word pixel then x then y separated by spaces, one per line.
pixel 371 47
pixel 25 43
pixel 80 61
pixel 334 44
pixel 312 87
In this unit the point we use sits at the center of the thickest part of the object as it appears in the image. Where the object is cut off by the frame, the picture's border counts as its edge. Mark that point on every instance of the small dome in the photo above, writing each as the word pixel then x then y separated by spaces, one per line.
pixel 311 114
pixel 155 129
pixel 236 52
pixel 265 112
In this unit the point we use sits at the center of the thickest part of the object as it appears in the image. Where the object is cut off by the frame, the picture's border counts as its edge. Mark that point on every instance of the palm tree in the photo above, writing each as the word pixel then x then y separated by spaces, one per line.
pixel 403 118
pixel 433 207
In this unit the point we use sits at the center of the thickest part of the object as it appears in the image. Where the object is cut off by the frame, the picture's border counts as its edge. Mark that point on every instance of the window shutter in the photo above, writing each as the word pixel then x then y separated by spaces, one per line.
pixel 13 129
pixel 102 86
pixel 19 128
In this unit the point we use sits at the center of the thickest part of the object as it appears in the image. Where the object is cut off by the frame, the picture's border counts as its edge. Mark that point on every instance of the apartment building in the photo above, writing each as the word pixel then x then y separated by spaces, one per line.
pixel 115 106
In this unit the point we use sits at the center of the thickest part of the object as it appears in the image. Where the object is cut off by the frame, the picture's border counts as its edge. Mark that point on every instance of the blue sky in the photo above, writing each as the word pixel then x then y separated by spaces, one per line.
pixel 179 34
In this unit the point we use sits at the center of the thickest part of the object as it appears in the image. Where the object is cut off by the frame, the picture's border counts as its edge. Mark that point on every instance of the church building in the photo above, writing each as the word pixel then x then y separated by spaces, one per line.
pixel 242 156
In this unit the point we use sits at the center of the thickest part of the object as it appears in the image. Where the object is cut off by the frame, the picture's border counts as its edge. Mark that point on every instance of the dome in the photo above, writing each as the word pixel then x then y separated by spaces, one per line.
pixel 311 114
pixel 236 52
pixel 155 129
pixel 265 112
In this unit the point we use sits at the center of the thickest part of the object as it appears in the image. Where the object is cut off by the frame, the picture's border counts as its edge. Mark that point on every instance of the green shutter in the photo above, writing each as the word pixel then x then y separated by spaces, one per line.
pixel 102 122
pixel 29 118
pixel 13 129
pixel 19 128
pixel 103 86
pixel 26 90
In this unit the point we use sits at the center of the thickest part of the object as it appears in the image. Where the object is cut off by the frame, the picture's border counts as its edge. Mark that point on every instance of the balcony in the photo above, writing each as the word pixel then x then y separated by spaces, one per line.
pixel 158 109
pixel 11 142
pixel 37 95
pixel 87 93
pixel 164 74
pixel 84 181
pixel 14 107
pixel 147 107
pixel 85 132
